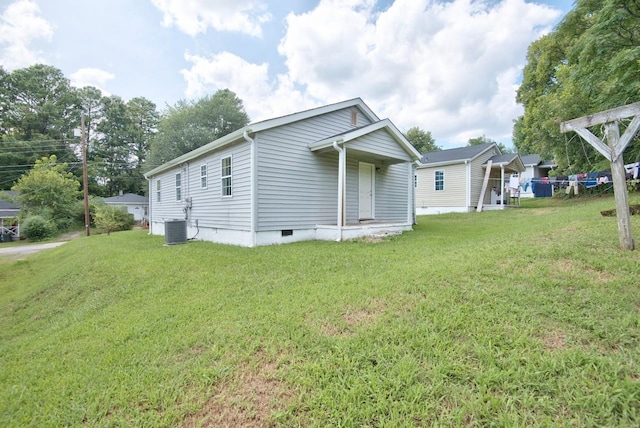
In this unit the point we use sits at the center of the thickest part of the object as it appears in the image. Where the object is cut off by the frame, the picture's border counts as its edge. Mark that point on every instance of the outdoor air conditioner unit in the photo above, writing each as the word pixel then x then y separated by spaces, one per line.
pixel 175 232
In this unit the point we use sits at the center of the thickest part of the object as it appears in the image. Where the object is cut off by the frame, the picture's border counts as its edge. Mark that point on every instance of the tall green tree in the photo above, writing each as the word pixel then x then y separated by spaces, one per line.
pixel 191 124
pixel 589 63
pixel 48 190
pixel 38 111
pixel 120 144
pixel 143 121
pixel 423 141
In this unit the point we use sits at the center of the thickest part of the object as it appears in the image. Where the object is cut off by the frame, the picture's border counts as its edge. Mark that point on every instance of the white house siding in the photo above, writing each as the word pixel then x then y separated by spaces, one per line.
pixel 297 188
pixel 454 195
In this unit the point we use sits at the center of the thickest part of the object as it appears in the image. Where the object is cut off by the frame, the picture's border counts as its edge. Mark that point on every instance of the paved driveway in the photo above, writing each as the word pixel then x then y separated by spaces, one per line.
pixel 27 249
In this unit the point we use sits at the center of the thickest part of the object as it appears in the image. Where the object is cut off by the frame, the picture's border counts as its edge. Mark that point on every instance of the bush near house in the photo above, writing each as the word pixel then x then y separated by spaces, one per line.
pixel 112 219
pixel 37 228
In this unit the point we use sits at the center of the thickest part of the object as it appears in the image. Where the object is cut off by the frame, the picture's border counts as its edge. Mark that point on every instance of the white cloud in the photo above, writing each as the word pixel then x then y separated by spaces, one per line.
pixel 91 77
pixel 262 98
pixel 448 67
pixel 20 25
pixel 195 16
pixel 451 68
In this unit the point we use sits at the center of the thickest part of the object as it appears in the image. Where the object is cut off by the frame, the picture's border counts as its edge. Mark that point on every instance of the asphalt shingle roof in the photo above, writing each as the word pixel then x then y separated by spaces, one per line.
pixel 127 198
pixel 449 155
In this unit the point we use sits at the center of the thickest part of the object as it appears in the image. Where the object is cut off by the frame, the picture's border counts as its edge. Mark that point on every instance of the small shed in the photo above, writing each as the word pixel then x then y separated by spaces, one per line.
pixel 134 204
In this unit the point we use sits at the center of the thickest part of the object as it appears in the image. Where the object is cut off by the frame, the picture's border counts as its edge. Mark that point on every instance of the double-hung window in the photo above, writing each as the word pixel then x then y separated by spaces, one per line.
pixel 226 176
pixel 203 176
pixel 439 180
pixel 178 186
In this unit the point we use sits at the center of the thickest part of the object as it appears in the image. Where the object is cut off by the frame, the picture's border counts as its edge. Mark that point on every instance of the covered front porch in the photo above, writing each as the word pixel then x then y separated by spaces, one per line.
pixel 374 194
pixel 502 185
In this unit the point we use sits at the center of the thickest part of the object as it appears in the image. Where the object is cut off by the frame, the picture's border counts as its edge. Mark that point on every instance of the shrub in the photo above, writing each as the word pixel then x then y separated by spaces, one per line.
pixel 37 228
pixel 112 219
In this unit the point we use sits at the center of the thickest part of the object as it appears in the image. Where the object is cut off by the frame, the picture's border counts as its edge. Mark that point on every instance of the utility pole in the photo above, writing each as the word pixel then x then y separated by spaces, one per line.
pixel 85 180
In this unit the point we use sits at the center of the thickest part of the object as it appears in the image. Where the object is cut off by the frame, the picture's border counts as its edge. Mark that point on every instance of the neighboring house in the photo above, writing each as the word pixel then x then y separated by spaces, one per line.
pixel 8 217
pixel 535 168
pixel 452 180
pixel 134 204
pixel 330 173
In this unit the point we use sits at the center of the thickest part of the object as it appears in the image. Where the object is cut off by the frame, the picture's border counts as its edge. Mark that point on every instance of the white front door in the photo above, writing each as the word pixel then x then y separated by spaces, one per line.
pixel 366 187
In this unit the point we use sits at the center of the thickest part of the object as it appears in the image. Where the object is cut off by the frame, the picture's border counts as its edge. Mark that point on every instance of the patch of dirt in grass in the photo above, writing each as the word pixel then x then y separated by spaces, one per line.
pixel 248 400
pixel 554 340
pixel 355 318
pixel 579 268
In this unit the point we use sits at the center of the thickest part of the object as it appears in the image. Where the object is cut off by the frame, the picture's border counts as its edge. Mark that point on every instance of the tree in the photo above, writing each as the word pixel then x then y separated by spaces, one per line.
pixel 120 143
pixel 38 111
pixel 48 190
pixel 143 121
pixel 423 141
pixel 112 219
pixel 484 140
pixel 189 125
pixel 588 64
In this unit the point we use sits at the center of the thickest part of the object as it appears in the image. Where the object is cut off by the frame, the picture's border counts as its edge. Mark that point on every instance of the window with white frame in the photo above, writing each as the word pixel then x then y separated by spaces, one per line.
pixel 415 180
pixel 203 176
pixel 226 176
pixel 439 180
pixel 178 186
pixel 158 191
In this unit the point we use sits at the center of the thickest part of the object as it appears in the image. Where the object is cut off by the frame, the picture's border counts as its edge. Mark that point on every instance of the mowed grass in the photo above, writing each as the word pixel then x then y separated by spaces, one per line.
pixel 523 317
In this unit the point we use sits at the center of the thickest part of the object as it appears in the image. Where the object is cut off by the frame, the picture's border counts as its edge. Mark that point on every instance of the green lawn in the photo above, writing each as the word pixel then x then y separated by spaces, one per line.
pixel 523 317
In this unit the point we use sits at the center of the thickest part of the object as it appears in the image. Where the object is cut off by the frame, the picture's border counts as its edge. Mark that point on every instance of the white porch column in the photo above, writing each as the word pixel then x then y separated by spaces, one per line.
pixel 342 168
pixel 502 190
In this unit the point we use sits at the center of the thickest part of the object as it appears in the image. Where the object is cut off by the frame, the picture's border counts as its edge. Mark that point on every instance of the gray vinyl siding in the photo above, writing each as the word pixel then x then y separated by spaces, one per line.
pixel 209 207
pixel 168 208
pixel 380 143
pixel 392 193
pixel 297 188
pixel 352 210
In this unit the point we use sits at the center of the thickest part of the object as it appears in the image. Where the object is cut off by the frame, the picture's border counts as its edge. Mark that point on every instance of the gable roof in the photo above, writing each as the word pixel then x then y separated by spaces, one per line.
pixel 127 198
pixel 511 161
pixel 456 155
pixel 238 135
pixel 353 134
pixel 529 160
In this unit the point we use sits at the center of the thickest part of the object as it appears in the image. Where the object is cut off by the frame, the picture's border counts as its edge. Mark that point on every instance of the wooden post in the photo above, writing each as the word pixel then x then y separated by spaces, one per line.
pixel 620 188
pixel 612 151
pixel 85 181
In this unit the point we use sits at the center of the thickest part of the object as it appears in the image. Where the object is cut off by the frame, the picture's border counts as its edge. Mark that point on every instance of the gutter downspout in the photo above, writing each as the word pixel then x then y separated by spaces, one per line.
pixel 341 174
pixel 254 193
pixel 468 180
pixel 503 187
pixel 150 205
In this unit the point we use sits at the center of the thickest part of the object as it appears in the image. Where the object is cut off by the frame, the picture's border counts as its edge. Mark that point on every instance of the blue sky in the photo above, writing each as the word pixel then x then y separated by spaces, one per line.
pixel 450 67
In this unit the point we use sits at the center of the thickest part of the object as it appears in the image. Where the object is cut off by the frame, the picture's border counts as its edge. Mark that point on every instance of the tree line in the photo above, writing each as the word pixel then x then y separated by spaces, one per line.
pixel 40 116
pixel 589 63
